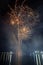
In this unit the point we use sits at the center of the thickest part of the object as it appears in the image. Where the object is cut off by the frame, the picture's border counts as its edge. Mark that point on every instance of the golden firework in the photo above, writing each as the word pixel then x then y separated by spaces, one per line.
pixel 24 18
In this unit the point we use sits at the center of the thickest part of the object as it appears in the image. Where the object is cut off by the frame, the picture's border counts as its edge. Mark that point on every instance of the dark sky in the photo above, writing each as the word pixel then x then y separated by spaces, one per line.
pixel 31 3
pixel 34 4
pixel 36 41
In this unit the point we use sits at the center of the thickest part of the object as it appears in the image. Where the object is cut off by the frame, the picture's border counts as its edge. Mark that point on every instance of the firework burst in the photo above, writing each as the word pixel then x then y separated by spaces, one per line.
pixel 24 18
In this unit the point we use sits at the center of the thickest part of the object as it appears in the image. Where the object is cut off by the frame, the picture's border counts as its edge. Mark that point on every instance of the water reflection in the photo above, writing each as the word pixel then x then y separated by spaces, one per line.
pixel 9 58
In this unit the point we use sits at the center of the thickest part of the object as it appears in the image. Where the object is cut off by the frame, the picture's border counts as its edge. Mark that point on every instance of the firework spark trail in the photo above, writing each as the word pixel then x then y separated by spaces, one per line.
pixel 21 4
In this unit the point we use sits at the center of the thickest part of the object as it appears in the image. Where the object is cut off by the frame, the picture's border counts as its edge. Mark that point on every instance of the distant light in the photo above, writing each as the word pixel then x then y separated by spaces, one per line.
pixel 36 51
pixel 41 52
pixel 11 52
pixel 17 20
pixel 10 56
pixel 31 13
pixel 12 22
pixel 42 56
pixel 24 29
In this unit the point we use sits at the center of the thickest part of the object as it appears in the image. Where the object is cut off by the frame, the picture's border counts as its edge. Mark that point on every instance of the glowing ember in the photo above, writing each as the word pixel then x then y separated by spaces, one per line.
pixel 24 29
pixel 24 32
pixel 12 22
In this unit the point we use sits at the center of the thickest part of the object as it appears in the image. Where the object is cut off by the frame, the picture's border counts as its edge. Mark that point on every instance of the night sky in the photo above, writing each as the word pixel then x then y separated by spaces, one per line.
pixel 38 29
pixel 37 36
pixel 29 45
